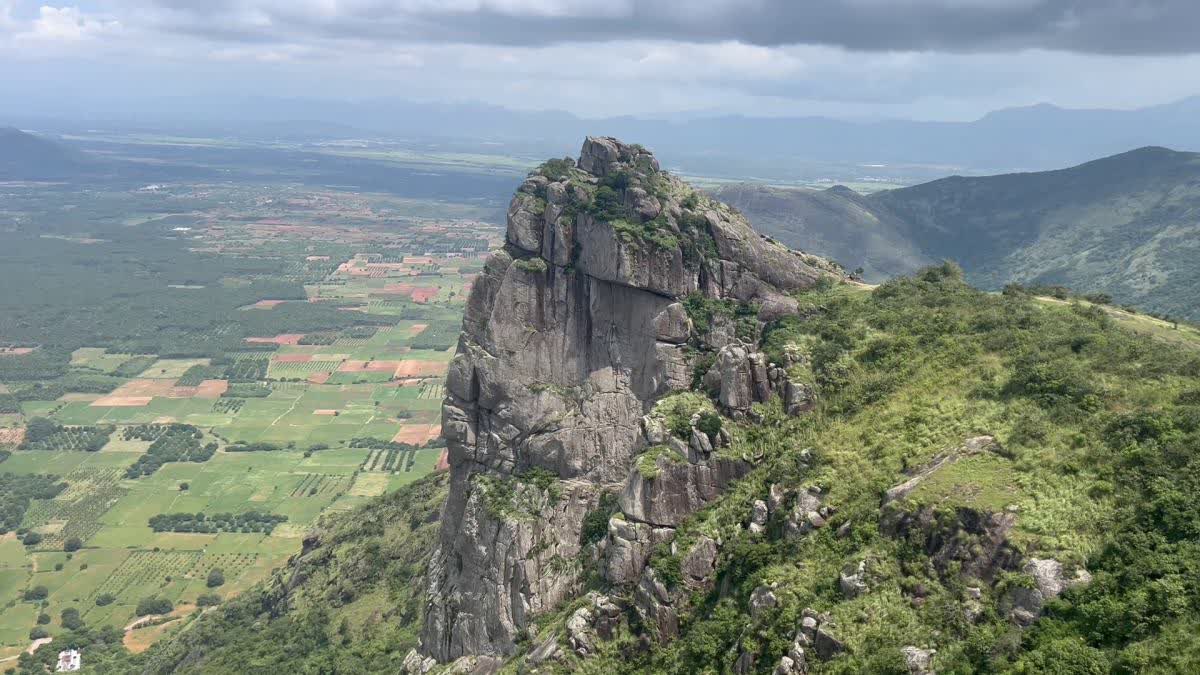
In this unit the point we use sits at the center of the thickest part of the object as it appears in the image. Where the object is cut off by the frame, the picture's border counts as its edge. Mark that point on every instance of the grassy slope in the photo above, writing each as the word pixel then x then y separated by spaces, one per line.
pixel 1100 427
pixel 351 602
pixel 836 223
pixel 1124 225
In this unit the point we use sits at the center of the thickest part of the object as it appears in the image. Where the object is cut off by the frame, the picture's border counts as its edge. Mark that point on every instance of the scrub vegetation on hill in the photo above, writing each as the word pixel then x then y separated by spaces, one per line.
pixel 1095 461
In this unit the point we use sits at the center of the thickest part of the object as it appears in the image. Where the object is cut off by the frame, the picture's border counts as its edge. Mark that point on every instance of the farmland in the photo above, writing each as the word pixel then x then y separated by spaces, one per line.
pixel 194 374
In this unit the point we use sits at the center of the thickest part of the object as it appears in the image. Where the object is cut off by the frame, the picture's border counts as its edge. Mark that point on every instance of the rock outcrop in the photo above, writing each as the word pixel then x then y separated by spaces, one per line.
pixel 572 332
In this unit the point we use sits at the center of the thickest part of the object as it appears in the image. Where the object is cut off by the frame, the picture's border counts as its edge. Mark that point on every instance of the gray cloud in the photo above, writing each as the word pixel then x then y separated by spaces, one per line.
pixel 1089 26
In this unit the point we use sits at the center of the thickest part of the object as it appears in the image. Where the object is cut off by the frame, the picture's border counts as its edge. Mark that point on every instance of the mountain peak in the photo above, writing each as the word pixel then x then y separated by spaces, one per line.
pixel 618 284
pixel 604 155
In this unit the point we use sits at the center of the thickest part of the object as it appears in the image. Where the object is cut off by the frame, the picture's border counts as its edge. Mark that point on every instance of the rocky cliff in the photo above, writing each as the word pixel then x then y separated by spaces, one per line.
pixel 618 285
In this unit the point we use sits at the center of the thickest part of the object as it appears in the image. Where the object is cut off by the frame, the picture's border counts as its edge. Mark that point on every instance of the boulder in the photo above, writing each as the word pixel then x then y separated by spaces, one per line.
pixel 525 223
pixel 919 661
pixel 798 398
pixel 699 566
pixel 758 516
pixel 1049 581
pixel 826 645
pixel 628 548
pixel 853 580
pixel 762 599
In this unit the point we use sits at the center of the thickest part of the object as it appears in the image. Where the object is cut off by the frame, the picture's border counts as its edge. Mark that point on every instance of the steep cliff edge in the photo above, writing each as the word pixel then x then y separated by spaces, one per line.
pixel 572 333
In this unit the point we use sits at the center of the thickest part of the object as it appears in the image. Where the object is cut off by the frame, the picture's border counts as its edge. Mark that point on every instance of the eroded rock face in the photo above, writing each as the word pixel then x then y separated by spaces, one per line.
pixel 679 490
pixel 571 333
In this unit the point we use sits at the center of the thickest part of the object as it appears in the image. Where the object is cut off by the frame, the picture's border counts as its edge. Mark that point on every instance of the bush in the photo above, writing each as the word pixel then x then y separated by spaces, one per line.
pixel 72 544
pixel 70 619
pixel 208 600
pixel 710 424
pixel 43 619
pixel 40 428
pixel 105 599
pixel 216 577
pixel 154 605
pixel 38 633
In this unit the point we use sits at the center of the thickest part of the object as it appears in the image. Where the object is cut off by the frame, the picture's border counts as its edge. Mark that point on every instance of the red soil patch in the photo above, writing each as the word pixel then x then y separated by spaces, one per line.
pixel 137 393
pixel 181 392
pixel 396 289
pixel 325 411
pixel 317 258
pixel 212 388
pixel 416 329
pixel 111 401
pixel 417 434
pixel 282 339
pixel 369 366
pixel 424 294
pixel 293 358
pixel 420 369
pixel 443 463
pixel 12 436
pixel 418 260
pixel 15 351
pixel 319 378
pixel 266 304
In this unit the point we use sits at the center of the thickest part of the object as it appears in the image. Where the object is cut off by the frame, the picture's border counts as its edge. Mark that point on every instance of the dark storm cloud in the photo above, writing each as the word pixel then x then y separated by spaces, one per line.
pixel 1090 26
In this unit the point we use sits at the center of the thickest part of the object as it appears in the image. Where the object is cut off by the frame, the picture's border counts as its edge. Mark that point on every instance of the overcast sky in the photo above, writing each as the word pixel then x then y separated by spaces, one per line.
pixel 927 59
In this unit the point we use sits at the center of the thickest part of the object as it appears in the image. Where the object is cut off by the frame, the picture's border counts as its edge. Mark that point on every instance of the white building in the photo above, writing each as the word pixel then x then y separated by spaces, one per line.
pixel 69 661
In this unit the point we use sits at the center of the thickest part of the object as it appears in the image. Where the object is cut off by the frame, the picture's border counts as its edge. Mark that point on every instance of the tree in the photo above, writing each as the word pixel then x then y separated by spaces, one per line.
pixel 31 539
pixel 72 544
pixel 208 600
pixel 70 619
pixel 43 619
pixel 36 593
pixel 105 599
pixel 215 578
pixel 40 428
pixel 153 605
pixel 183 487
pixel 38 633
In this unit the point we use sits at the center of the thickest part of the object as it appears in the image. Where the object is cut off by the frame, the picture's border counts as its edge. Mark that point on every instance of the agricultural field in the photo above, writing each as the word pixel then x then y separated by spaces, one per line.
pixel 190 389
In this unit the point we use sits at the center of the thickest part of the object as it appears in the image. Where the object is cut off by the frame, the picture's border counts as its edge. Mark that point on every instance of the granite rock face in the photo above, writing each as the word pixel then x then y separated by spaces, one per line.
pixel 571 334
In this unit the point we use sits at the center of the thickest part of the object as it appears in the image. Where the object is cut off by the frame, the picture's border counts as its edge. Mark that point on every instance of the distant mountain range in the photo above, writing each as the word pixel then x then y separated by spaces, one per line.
pixel 778 148
pixel 27 157
pixel 1126 225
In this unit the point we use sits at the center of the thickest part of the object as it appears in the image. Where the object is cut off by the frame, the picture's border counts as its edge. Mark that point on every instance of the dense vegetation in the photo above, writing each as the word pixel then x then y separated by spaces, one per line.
pixel 142 294
pixel 250 521
pixel 16 491
pixel 1100 428
pixel 46 434
pixel 170 443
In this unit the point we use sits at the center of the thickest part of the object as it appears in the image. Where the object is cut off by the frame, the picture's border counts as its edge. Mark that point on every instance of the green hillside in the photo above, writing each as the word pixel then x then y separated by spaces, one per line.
pixel 1094 466
pixel 837 223
pixel 24 156
pixel 1126 225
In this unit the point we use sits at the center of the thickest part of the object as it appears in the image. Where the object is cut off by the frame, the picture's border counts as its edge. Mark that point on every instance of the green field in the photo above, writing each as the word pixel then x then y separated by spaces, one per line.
pixel 193 350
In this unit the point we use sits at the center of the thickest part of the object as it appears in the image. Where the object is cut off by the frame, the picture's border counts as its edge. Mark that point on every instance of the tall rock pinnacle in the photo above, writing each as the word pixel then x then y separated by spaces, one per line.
pixel 572 332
